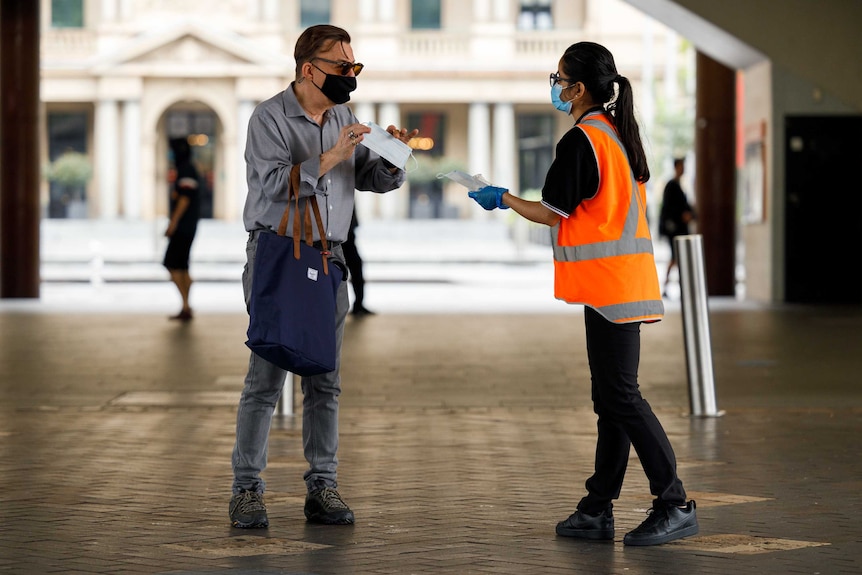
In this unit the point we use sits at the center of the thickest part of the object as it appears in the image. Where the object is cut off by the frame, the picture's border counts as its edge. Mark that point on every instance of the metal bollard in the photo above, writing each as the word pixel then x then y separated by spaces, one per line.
pixel 285 402
pixel 695 318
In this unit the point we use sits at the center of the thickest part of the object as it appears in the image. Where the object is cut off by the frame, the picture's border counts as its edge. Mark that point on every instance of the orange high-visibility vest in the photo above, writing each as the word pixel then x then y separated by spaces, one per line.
pixel 603 252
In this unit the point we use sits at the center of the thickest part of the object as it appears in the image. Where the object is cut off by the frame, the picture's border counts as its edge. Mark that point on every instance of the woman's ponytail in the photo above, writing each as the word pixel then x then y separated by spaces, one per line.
pixel 623 113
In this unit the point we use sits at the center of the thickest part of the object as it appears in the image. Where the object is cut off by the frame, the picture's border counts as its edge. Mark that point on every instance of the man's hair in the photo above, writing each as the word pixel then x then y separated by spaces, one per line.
pixel 678 161
pixel 314 40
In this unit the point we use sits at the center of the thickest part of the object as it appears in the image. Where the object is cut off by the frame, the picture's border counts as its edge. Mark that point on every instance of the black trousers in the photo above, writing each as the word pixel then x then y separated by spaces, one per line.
pixel 354 264
pixel 625 419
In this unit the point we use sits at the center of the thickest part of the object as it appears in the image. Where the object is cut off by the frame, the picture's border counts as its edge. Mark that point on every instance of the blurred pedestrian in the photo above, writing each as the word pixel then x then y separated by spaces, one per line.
pixel 675 215
pixel 354 266
pixel 306 125
pixel 594 200
pixel 183 223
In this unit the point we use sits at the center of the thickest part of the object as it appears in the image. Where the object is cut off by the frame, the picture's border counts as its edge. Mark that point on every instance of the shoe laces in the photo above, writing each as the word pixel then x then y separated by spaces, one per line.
pixel 251 502
pixel 331 499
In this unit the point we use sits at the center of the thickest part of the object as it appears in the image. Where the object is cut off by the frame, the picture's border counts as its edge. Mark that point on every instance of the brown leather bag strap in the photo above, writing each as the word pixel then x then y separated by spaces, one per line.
pixel 292 194
pixel 293 197
pixel 325 253
pixel 306 221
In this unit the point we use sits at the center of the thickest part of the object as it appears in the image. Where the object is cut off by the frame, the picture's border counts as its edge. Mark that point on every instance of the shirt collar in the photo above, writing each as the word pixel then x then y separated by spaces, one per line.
pixel 592 110
pixel 292 107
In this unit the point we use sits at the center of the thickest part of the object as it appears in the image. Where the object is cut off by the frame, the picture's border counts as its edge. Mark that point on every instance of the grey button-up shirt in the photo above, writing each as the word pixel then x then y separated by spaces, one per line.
pixel 280 135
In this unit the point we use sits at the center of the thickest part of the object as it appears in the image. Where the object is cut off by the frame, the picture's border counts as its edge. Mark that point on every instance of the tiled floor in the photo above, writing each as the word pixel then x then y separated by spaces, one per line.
pixel 464 439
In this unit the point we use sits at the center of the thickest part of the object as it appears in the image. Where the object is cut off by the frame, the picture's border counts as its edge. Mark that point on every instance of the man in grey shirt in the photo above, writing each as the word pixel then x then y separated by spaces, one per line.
pixel 308 126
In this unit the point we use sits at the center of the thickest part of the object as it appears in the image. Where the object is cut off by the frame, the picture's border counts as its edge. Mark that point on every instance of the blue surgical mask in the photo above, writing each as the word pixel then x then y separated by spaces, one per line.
pixel 558 103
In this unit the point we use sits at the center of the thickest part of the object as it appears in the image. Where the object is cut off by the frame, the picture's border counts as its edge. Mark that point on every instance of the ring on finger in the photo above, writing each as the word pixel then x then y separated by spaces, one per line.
pixel 352 135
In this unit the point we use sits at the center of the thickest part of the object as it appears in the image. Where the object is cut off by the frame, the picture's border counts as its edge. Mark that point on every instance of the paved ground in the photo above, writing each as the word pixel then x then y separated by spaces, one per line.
pixel 466 434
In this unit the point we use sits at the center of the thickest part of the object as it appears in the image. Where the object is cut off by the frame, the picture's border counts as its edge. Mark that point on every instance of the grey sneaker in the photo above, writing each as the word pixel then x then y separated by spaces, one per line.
pixel 325 506
pixel 247 510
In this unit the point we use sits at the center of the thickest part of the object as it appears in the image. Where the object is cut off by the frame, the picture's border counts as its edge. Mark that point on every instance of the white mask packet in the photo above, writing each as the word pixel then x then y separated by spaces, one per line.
pixel 472 183
pixel 386 145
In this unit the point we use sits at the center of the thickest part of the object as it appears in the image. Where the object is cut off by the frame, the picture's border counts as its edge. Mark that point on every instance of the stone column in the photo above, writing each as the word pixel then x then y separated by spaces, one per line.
pixel 107 157
pixel 109 11
pixel 366 203
pixel 395 204
pixel 246 107
pixel 126 9
pixel 505 168
pixel 501 10
pixel 386 10
pixel 270 10
pixel 132 151
pixel 481 10
pixel 366 10
pixel 479 139
pixel 504 147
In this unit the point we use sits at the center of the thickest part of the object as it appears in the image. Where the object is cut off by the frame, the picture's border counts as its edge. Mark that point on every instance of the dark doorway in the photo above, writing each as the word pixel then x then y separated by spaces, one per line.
pixel 67 152
pixel 199 126
pixel 426 196
pixel 823 231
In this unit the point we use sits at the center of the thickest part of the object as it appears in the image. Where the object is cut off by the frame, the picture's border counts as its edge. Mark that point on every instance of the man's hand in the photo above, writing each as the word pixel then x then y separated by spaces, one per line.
pixel 344 147
pixel 402 133
pixel 490 197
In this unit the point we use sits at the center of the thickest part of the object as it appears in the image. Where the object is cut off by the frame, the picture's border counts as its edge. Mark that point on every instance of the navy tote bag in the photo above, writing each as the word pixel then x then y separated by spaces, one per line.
pixel 292 304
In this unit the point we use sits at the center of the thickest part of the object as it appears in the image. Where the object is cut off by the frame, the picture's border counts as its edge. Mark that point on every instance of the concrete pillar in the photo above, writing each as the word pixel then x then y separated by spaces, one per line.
pixel 479 139
pixel 481 10
pixel 504 147
pixel 479 147
pixel 501 10
pixel 246 107
pixel 270 10
pixel 366 10
pixel 19 149
pixel 386 10
pixel 126 9
pixel 132 151
pixel 393 205
pixel 366 203
pixel 107 157
pixel 109 10
pixel 715 180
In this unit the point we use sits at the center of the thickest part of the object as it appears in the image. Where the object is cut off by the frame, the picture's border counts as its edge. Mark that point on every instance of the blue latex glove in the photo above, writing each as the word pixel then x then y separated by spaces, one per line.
pixel 490 197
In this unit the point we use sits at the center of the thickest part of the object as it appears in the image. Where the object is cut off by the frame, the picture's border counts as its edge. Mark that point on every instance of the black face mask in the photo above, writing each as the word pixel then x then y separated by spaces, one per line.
pixel 337 88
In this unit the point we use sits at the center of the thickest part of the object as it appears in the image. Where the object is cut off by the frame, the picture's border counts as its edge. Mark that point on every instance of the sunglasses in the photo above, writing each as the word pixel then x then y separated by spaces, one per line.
pixel 556 79
pixel 346 67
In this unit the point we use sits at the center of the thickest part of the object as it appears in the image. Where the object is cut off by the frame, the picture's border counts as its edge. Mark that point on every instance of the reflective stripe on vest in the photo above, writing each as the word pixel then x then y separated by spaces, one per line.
pixel 648 306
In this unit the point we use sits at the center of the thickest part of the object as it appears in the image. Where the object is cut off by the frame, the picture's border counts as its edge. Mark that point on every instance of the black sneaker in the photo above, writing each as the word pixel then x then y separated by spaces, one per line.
pixel 324 505
pixel 664 524
pixel 583 526
pixel 247 510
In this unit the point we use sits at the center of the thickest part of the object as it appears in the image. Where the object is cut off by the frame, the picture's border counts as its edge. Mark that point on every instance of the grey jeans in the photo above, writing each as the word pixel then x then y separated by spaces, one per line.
pixel 263 387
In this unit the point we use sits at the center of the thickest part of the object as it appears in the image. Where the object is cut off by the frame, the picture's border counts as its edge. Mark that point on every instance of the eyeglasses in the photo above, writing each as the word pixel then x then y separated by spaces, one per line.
pixel 556 79
pixel 346 67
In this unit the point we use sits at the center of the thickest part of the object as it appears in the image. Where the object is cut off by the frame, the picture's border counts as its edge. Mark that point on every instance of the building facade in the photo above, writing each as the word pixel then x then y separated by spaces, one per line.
pixel 121 77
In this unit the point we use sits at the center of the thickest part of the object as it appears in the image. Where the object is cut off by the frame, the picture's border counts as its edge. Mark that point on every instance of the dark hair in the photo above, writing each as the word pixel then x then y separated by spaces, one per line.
pixel 593 65
pixel 314 40
pixel 181 149
pixel 678 161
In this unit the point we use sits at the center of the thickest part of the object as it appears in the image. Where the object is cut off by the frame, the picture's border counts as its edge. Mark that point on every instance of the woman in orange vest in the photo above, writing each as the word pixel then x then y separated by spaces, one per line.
pixel 594 200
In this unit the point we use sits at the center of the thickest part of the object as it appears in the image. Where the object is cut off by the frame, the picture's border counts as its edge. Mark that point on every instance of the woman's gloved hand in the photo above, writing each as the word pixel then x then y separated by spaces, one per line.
pixel 490 197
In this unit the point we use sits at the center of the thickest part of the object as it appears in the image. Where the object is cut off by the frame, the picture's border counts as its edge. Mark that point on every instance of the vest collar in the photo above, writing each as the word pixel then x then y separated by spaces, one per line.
pixel 593 110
